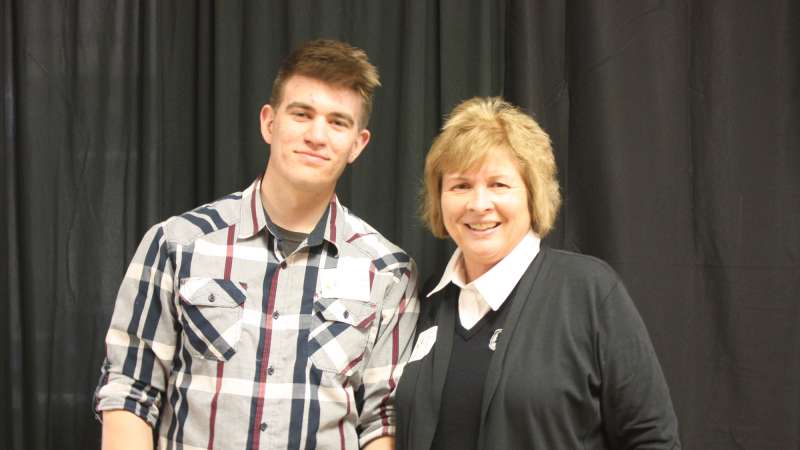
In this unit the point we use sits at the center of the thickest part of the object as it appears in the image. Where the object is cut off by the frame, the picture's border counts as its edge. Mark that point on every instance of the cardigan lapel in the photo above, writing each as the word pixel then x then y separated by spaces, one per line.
pixel 445 320
pixel 521 295
pixel 434 369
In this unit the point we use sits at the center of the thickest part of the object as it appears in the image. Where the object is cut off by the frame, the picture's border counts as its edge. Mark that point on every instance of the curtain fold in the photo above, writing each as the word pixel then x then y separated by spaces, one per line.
pixel 12 371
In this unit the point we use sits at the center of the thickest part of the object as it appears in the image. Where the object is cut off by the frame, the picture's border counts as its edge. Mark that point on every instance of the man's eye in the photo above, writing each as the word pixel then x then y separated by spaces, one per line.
pixel 300 114
pixel 340 123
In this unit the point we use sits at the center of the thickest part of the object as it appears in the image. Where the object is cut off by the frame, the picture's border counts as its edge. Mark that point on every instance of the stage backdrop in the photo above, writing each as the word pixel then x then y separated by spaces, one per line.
pixel 675 124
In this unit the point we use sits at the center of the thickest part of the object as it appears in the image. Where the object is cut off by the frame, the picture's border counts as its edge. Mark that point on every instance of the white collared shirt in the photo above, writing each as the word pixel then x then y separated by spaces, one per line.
pixel 490 290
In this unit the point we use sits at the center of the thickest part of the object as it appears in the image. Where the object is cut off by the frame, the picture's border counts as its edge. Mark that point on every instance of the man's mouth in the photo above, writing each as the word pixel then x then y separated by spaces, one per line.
pixel 313 155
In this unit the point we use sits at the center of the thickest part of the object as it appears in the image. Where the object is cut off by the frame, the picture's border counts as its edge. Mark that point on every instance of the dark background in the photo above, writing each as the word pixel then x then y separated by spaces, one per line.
pixel 675 124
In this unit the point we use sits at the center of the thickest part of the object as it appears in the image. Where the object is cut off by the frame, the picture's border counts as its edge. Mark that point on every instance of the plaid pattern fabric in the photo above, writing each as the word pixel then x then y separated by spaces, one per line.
pixel 219 341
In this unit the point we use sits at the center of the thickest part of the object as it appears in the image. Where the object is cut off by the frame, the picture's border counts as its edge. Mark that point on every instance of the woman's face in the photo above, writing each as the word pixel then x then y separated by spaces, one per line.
pixel 485 211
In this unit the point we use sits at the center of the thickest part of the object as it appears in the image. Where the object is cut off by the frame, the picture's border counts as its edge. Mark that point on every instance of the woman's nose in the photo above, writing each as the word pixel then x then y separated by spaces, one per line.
pixel 480 199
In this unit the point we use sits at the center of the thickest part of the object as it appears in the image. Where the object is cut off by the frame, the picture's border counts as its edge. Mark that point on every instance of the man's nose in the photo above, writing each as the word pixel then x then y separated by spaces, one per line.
pixel 316 133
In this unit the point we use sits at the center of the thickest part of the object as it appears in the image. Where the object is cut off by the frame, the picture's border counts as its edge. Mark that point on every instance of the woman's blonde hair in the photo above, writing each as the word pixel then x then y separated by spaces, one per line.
pixel 474 131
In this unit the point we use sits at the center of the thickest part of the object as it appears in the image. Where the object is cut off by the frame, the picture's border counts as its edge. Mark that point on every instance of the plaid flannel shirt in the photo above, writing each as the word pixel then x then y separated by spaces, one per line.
pixel 218 341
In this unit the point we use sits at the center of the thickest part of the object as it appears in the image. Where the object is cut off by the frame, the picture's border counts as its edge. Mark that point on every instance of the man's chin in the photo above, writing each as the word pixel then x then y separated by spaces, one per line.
pixel 311 183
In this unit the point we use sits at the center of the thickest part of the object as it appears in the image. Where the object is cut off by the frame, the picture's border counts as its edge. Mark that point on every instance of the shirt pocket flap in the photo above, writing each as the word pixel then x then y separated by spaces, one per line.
pixel 214 292
pixel 357 313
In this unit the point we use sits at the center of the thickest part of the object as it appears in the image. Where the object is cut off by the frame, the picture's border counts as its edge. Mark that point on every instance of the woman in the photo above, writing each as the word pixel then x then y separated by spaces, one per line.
pixel 518 345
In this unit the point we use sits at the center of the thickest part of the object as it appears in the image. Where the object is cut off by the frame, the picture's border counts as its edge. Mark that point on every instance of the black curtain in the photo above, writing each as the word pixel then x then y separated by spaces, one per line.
pixel 675 123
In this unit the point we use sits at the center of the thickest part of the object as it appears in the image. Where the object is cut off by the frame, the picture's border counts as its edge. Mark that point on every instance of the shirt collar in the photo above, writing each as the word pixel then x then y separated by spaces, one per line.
pixel 497 283
pixel 331 226
pixel 252 216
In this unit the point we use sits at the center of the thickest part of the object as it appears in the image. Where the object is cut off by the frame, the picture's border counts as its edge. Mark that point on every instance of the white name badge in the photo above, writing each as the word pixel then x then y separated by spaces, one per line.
pixel 350 279
pixel 424 344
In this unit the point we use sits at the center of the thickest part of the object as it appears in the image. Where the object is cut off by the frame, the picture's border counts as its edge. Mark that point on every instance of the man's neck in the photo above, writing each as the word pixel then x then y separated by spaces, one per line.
pixel 291 208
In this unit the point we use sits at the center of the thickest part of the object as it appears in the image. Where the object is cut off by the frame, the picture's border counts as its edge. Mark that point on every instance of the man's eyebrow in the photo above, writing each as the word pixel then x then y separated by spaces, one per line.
pixel 300 105
pixel 306 107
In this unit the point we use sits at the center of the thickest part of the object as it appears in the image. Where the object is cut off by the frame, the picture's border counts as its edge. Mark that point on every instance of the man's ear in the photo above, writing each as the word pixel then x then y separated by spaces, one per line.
pixel 361 142
pixel 267 117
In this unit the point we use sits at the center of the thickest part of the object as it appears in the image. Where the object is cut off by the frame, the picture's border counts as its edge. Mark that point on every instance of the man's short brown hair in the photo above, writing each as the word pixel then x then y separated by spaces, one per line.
pixel 334 63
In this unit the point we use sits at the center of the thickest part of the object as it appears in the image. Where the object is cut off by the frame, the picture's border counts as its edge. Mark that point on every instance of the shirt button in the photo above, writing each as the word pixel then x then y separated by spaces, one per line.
pixel 270 370
pixel 211 298
pixel 263 426
pixel 275 315
pixel 283 265
pixel 346 314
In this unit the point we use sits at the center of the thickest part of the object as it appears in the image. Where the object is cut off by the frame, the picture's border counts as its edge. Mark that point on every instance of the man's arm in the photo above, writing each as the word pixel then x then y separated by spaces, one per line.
pixel 140 343
pixel 388 355
pixel 123 430
pixel 382 443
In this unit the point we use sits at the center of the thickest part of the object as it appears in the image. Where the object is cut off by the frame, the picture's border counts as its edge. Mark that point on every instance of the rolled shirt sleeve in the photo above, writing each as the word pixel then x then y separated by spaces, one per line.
pixel 140 343
pixel 389 354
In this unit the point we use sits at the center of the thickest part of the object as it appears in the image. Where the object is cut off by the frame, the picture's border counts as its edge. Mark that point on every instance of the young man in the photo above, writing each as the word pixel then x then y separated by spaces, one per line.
pixel 273 317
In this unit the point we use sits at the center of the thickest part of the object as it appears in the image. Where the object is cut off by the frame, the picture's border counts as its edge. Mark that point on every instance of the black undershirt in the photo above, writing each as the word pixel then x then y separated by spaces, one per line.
pixel 288 241
pixel 459 417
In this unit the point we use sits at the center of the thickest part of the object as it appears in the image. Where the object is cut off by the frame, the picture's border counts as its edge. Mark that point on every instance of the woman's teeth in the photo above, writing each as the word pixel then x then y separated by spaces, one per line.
pixel 482 226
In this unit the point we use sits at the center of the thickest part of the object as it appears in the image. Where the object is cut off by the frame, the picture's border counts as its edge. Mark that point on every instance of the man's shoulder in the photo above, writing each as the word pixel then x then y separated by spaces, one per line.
pixel 365 239
pixel 204 220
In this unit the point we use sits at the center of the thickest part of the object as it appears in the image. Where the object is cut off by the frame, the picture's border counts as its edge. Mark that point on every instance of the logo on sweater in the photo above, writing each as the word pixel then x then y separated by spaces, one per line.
pixel 493 339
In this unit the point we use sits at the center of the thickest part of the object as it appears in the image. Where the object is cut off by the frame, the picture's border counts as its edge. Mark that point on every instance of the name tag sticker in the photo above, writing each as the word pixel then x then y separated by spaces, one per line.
pixel 350 279
pixel 424 344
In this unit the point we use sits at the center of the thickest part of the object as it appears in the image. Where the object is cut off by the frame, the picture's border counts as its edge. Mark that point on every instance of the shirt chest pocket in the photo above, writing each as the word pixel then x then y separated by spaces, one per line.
pixel 339 333
pixel 211 316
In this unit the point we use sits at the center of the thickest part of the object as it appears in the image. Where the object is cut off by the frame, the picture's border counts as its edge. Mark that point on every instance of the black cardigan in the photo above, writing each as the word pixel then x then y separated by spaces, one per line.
pixel 574 367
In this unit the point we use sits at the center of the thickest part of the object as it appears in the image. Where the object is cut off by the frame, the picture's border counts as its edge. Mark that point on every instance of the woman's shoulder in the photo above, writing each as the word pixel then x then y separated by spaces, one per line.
pixel 578 262
pixel 577 267
pixel 430 304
